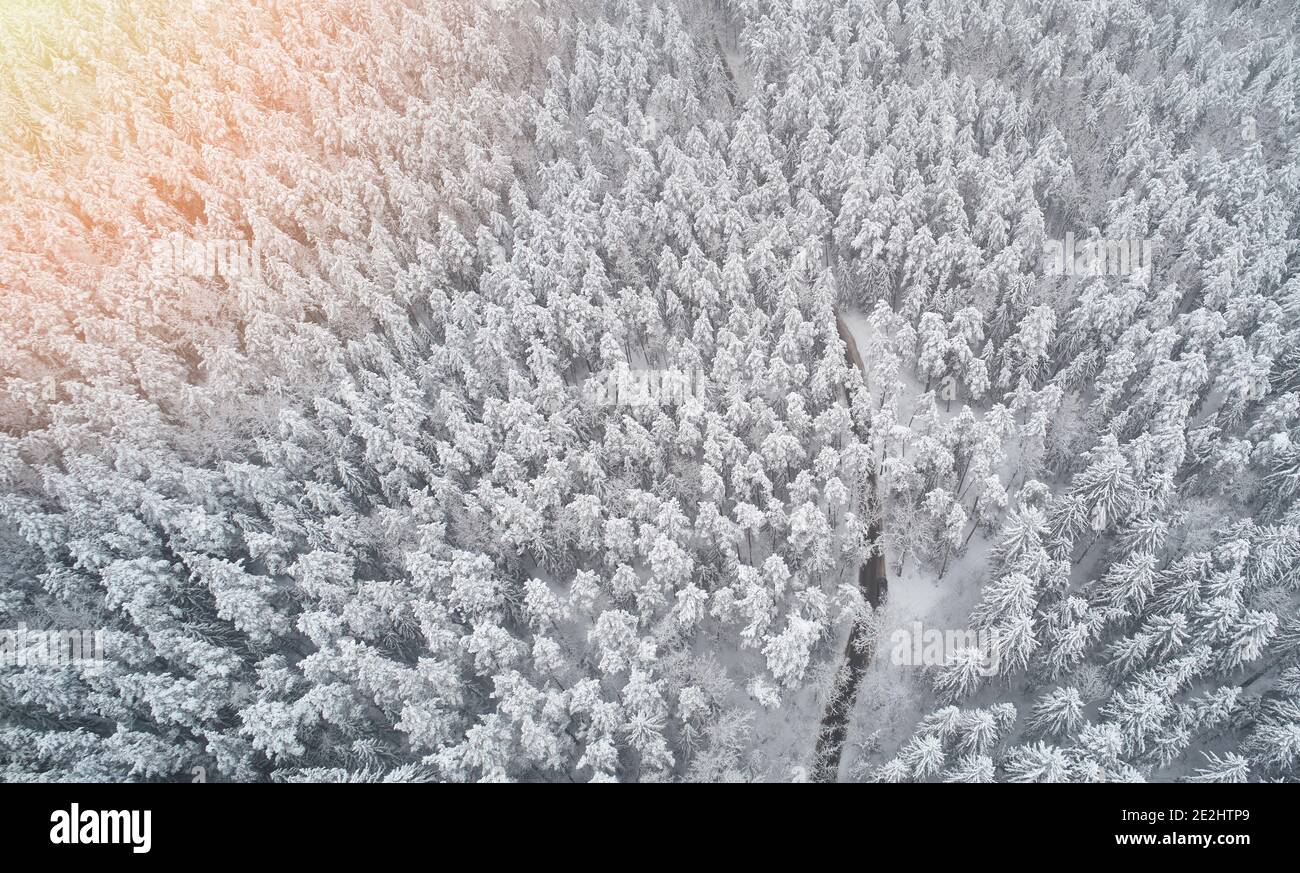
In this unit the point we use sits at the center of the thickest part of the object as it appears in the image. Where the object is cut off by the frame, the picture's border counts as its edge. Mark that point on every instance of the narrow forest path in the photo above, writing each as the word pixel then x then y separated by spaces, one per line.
pixel 873 581
pixel 872 577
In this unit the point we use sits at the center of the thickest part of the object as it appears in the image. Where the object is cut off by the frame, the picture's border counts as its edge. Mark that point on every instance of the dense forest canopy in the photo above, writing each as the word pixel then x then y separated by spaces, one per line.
pixel 323 333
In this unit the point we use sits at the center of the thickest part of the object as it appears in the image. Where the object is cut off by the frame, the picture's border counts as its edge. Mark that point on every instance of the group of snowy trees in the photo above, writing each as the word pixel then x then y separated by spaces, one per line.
pixel 1129 437
pixel 351 515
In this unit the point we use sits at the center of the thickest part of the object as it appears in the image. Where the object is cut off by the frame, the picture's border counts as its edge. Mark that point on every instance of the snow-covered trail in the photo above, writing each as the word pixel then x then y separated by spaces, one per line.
pixel 894 695
pixel 873 581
